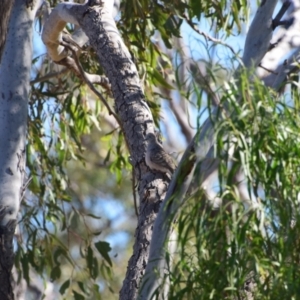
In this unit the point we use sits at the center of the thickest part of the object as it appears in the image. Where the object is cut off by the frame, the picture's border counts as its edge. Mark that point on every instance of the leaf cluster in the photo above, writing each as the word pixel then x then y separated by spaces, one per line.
pixel 248 246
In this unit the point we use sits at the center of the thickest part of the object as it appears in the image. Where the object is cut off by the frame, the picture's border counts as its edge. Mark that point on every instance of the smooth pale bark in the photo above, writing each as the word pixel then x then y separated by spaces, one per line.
pixel 14 89
pixel 283 58
pixel 52 31
pixel 259 35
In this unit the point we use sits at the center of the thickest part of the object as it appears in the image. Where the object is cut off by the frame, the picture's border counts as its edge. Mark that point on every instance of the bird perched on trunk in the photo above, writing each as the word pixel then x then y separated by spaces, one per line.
pixel 156 157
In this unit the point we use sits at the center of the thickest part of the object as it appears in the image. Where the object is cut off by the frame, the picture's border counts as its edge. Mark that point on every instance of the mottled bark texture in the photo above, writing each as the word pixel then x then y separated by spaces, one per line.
pixel 154 280
pixel 5 10
pixel 136 121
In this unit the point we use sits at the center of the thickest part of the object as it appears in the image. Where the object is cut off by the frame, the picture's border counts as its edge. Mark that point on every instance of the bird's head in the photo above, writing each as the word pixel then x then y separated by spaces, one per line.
pixel 150 137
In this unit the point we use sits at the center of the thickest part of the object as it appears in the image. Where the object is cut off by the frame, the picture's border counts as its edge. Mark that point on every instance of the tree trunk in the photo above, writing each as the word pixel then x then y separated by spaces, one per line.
pixel 134 117
pixel 14 88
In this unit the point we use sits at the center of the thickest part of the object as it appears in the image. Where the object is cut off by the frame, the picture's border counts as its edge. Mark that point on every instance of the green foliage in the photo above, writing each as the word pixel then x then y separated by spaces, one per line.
pixel 58 233
pixel 246 240
pixel 149 27
pixel 76 159
pixel 103 249
pixel 223 14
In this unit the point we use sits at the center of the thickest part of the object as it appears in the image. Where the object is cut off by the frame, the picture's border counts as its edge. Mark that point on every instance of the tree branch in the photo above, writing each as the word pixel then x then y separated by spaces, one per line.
pixel 14 86
pixel 49 76
pixel 52 34
pixel 286 41
pixel 277 20
pixel 132 109
pixel 202 148
pixel 259 35
pixel 184 125
pixel 288 67
pixel 200 151
pixel 75 66
pixel 207 37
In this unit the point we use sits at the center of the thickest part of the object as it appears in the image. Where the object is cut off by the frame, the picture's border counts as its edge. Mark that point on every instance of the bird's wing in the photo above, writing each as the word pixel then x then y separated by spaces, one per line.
pixel 163 159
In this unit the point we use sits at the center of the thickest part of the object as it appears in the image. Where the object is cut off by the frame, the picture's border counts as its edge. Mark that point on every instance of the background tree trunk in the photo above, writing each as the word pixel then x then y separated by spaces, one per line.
pixel 14 89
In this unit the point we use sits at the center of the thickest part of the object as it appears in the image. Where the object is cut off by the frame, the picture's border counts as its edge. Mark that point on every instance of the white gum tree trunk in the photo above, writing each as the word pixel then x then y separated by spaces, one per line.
pixel 14 89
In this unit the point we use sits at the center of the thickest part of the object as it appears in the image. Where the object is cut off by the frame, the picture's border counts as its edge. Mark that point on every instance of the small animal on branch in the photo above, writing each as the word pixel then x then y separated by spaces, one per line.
pixel 156 157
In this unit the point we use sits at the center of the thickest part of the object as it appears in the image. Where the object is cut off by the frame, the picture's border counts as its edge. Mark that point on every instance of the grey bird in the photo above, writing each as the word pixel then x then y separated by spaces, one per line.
pixel 156 157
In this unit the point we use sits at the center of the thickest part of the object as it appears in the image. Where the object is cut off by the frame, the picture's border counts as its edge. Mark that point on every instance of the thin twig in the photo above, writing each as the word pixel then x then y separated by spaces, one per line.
pixel 87 81
pixel 207 37
pixel 85 78
pixel 49 76
pixel 268 70
pixel 92 78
